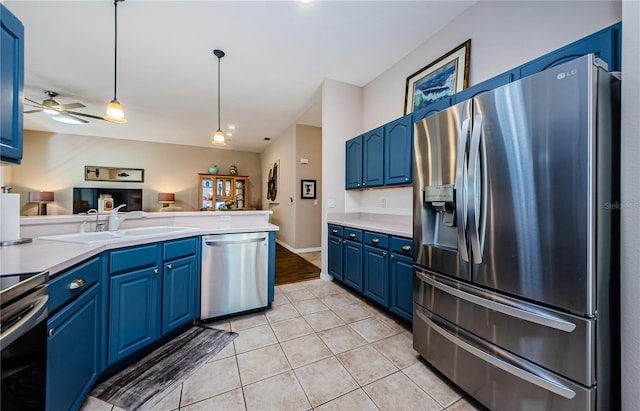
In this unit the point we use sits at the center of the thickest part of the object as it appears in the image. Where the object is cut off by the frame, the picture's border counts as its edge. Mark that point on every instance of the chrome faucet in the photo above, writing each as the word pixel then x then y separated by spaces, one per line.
pixel 115 221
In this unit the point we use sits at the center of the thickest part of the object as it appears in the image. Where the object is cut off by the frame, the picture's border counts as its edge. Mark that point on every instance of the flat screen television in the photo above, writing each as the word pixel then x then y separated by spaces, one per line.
pixel 86 198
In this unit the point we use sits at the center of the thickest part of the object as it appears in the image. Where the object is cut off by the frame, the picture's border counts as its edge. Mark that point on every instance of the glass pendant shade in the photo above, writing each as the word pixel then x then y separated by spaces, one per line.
pixel 115 112
pixel 218 138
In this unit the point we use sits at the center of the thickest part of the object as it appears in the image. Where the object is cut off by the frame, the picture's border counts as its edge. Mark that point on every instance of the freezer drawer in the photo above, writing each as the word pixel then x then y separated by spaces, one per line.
pixel 496 378
pixel 560 342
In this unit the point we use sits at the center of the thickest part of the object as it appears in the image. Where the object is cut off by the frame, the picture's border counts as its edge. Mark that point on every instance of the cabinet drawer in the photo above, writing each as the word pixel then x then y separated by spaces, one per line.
pixel 179 248
pixel 376 239
pixel 353 234
pixel 133 258
pixel 65 287
pixel 401 245
pixel 335 230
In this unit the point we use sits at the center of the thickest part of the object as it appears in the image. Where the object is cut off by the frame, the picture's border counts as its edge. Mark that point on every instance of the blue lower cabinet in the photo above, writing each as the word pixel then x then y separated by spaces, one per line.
pixel 178 293
pixel 73 351
pixel 352 253
pixel 134 311
pixel 401 286
pixel 376 278
pixel 335 257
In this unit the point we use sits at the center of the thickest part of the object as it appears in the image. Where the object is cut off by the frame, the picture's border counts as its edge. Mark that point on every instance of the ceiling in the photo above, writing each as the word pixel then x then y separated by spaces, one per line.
pixel 277 55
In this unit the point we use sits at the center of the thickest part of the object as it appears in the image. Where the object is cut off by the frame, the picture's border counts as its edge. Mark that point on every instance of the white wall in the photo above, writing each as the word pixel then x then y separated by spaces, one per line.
pixel 308 212
pixel 504 34
pixel 630 215
pixel 341 119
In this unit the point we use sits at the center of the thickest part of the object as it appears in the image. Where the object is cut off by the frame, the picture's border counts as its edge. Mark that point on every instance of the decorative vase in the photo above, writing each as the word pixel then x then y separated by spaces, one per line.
pixel 233 170
pixel 213 169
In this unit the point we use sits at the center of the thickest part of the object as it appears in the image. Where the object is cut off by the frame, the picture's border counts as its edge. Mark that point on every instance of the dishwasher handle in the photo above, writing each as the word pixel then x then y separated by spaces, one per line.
pixel 226 242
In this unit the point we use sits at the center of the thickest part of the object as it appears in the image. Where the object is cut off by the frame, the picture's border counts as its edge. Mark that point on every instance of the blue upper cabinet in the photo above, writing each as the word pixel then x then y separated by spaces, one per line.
pixel 431 109
pixel 605 44
pixel 486 85
pixel 398 151
pixel 11 86
pixel 353 170
pixel 372 158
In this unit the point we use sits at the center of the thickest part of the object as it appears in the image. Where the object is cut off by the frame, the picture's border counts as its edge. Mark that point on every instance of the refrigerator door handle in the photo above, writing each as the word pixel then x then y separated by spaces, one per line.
pixel 534 317
pixel 530 377
pixel 472 190
pixel 461 191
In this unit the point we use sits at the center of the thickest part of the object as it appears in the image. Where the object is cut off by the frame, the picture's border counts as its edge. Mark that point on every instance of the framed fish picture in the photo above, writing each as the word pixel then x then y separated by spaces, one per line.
pixel 446 76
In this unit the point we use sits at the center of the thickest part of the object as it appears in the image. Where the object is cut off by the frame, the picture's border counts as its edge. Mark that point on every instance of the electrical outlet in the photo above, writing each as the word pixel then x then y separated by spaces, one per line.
pixel 331 203
pixel 383 203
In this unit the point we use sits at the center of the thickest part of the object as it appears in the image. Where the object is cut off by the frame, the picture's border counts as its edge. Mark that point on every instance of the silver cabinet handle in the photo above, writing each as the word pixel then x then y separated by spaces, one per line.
pixel 77 283
pixel 352 235
pixel 406 247
pixel 375 240
pixel 528 376
pixel 334 231
pixel 534 317
pixel 384 253
pixel 169 266
pixel 156 271
pixel 392 256
pixel 52 331
pixel 364 184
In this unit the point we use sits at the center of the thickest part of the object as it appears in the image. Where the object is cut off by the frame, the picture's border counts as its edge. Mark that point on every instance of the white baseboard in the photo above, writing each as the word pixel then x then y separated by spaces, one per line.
pixel 326 277
pixel 299 250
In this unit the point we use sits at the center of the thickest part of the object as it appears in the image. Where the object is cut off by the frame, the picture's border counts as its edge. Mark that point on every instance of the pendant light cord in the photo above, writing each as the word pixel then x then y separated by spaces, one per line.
pixel 218 93
pixel 115 57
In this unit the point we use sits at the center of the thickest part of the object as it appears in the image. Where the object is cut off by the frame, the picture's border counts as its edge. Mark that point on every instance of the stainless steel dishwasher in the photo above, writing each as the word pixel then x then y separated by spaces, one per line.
pixel 234 273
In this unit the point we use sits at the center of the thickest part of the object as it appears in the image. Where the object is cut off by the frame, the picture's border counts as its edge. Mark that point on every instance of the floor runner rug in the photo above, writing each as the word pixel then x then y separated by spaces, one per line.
pixel 291 268
pixel 144 383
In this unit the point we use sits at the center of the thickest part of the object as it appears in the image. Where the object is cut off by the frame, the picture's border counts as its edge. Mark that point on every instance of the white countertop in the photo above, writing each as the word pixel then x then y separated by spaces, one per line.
pixel 56 256
pixel 399 225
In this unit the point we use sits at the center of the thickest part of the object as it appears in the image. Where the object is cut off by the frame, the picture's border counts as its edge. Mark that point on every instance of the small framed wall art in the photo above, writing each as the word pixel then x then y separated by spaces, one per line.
pixel 446 76
pixel 308 189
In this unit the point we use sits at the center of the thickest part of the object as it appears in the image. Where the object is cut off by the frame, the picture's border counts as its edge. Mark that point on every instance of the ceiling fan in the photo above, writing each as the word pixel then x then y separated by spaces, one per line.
pixel 59 112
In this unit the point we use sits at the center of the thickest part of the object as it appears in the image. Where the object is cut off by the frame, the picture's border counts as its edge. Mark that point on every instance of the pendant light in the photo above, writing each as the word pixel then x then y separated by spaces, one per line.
pixel 218 137
pixel 115 111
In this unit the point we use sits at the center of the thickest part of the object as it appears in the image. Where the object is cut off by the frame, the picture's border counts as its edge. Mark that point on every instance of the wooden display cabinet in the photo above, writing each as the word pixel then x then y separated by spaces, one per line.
pixel 217 190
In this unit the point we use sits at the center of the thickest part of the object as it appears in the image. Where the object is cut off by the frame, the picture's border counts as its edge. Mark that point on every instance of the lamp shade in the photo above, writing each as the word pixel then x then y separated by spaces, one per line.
pixel 115 112
pixel 40 196
pixel 166 197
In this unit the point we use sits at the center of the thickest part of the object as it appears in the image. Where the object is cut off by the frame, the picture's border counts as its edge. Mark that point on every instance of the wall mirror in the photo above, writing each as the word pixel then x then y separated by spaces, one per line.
pixel 98 173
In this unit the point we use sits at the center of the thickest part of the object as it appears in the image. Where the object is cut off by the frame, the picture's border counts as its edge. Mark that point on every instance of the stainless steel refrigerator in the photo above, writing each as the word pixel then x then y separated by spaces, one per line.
pixel 516 241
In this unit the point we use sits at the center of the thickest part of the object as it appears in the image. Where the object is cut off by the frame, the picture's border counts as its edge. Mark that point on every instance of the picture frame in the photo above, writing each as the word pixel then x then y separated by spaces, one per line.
pixel 308 189
pixel 443 77
pixel 121 174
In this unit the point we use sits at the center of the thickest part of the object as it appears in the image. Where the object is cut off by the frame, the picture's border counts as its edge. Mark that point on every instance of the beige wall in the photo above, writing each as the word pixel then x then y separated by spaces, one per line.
pixel 55 162
pixel 299 220
pixel 308 219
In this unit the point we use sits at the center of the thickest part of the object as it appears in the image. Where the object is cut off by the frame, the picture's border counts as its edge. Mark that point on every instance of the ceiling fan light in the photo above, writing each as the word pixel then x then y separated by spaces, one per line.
pixel 218 138
pixel 67 119
pixel 115 112
pixel 51 111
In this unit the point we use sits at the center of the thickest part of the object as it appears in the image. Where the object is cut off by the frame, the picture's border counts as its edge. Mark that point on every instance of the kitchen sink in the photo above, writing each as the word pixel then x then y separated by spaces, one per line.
pixel 84 238
pixel 119 235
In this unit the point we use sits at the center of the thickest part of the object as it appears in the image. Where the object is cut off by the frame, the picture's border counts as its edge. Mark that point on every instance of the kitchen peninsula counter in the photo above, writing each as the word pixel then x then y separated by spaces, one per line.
pixel 56 256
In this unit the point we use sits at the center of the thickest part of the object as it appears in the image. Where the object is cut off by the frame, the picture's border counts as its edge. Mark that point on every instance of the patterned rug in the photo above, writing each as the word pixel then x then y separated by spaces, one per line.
pixel 144 383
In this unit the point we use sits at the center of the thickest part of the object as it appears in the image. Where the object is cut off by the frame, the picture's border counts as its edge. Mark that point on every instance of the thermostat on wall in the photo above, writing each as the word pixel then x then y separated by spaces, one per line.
pixel 304 160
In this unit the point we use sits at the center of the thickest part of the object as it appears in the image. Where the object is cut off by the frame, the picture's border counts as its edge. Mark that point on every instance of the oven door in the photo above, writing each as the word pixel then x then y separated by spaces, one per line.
pixel 23 340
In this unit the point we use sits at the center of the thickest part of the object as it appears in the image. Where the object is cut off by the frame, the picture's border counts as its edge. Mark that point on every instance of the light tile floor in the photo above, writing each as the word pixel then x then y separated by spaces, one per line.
pixel 319 347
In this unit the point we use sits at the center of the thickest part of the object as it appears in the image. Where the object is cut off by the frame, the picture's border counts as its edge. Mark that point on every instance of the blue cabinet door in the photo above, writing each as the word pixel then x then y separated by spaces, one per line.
pixel 178 293
pixel 431 109
pixel 401 286
pixel 352 253
pixel 12 85
pixel 398 151
pixel 372 158
pixel 335 257
pixel 134 311
pixel 605 44
pixel 376 275
pixel 353 167
pixel 73 351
